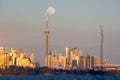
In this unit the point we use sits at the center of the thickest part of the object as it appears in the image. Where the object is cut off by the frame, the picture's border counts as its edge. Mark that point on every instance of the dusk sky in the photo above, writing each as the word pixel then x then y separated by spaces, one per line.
pixel 76 24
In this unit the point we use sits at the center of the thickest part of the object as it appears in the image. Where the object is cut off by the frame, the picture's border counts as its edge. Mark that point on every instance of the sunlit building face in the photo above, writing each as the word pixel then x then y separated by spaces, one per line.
pixel 2 50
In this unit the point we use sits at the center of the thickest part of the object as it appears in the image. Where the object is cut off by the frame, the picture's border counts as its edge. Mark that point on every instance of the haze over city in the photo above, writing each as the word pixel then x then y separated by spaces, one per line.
pixel 75 24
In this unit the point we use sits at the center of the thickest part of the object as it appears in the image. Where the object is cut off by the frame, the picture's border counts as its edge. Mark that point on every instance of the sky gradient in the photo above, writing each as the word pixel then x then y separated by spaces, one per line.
pixel 76 23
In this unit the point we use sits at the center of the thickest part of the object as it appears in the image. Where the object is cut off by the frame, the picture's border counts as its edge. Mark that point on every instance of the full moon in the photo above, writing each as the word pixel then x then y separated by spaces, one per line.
pixel 51 10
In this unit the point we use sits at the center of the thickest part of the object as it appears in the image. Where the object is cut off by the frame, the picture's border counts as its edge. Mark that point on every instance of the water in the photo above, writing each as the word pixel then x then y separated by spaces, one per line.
pixel 60 77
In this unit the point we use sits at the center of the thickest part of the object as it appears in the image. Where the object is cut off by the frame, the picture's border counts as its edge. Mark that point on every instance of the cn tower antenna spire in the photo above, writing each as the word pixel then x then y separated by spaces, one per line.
pixel 46 21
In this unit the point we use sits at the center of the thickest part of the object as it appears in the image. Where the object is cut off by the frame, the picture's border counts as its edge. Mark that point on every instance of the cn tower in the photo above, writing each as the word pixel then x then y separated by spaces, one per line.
pixel 50 10
pixel 46 34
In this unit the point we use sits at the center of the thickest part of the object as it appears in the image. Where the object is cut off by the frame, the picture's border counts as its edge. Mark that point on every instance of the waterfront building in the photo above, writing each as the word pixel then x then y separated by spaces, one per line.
pixel 49 63
pixel 15 59
pixel 75 56
pixel 72 59
pixel 62 60
pixel 96 60
pixel 82 64
pixel 4 61
pixel 88 62
pixel 24 62
pixel 4 58
pixel 54 62
pixel 68 55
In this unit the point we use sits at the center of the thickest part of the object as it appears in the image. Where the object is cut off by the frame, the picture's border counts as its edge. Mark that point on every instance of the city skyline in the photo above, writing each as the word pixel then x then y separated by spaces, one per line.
pixel 75 24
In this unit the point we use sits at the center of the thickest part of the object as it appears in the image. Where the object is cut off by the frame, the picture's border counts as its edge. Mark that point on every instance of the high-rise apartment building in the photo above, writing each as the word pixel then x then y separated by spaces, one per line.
pixel 68 55
pixel 75 55
pixel 52 59
pixel 4 61
pixel 54 62
pixel 87 62
pixel 62 60
pixel 82 64
pixel 4 58
pixel 96 60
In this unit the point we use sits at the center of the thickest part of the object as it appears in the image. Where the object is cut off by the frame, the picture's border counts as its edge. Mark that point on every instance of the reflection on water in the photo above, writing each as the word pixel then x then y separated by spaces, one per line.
pixel 61 77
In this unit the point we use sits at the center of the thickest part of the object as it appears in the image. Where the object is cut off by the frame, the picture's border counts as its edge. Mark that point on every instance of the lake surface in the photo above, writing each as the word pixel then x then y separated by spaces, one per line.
pixel 61 77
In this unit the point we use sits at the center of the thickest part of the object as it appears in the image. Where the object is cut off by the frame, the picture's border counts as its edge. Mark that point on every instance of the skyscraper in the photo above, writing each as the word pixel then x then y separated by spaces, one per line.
pixel 68 55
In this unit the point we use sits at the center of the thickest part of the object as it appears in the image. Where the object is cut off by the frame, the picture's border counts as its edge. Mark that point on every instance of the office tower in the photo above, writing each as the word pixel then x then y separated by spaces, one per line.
pixel 54 62
pixel 4 59
pixel 62 60
pixel 68 55
pixel 82 62
pixel 52 59
pixel 75 55
pixel 89 62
